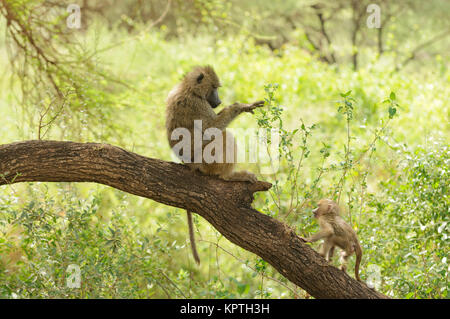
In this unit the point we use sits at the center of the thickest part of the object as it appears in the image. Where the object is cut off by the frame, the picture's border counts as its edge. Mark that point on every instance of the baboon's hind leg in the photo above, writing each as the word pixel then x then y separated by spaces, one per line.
pixel 344 260
pixel 331 253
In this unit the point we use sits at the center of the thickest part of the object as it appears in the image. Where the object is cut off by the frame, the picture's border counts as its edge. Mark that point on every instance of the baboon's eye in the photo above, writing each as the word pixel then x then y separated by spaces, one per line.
pixel 200 78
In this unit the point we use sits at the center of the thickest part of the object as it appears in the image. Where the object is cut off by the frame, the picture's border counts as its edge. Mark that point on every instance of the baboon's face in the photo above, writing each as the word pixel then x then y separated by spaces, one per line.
pixel 322 208
pixel 316 212
pixel 209 84
pixel 213 98
pixel 326 208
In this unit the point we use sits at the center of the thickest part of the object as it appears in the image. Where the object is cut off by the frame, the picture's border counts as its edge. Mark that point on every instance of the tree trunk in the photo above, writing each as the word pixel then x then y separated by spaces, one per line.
pixel 226 205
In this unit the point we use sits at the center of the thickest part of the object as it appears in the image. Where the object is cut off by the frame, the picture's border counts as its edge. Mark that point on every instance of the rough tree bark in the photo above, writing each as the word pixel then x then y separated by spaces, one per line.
pixel 226 205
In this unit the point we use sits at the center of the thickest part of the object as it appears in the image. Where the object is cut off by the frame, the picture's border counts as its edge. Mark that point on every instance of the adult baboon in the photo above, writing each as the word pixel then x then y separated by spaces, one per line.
pixel 190 107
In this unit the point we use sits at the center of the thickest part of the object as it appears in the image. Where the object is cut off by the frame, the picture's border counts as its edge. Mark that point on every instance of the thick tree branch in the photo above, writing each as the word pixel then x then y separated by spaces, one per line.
pixel 226 205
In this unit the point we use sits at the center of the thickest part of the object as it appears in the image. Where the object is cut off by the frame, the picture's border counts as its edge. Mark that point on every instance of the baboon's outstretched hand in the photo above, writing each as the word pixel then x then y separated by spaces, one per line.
pixel 250 107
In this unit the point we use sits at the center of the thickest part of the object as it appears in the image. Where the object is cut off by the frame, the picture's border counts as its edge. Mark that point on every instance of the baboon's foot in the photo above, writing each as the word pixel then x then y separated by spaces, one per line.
pixel 242 176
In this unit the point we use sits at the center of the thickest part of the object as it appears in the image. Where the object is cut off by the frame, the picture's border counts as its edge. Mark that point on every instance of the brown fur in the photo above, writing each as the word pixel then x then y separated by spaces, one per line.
pixel 188 102
pixel 336 232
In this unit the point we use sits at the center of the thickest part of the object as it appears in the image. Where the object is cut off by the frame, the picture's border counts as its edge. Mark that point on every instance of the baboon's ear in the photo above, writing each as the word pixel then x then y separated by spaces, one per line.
pixel 200 78
pixel 330 207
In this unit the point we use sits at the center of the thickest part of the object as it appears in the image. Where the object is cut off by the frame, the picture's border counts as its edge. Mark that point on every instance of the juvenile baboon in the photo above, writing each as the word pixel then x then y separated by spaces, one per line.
pixel 336 232
pixel 190 107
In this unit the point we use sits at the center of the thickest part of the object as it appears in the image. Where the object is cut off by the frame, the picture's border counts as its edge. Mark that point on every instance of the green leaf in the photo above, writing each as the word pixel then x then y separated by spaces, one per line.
pixel 243 288
pixel 392 111
pixel 346 94
pixel 392 96
pixel 409 295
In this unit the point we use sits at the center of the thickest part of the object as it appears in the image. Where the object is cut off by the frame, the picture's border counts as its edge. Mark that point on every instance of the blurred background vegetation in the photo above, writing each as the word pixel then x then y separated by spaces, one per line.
pixel 363 114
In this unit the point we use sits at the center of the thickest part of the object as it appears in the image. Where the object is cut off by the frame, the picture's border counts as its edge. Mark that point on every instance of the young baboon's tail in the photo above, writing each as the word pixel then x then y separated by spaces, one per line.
pixel 192 237
pixel 358 253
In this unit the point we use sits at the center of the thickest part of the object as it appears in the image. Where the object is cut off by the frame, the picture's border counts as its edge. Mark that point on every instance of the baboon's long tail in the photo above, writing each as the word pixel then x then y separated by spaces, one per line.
pixel 192 237
pixel 358 253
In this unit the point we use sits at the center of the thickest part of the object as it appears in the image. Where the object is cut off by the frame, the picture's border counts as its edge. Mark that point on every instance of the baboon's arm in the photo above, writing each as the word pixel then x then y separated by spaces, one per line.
pixel 324 232
pixel 228 114
pixel 224 117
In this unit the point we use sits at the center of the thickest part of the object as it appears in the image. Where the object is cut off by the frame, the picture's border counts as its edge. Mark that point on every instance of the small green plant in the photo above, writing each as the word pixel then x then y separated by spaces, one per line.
pixel 289 194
